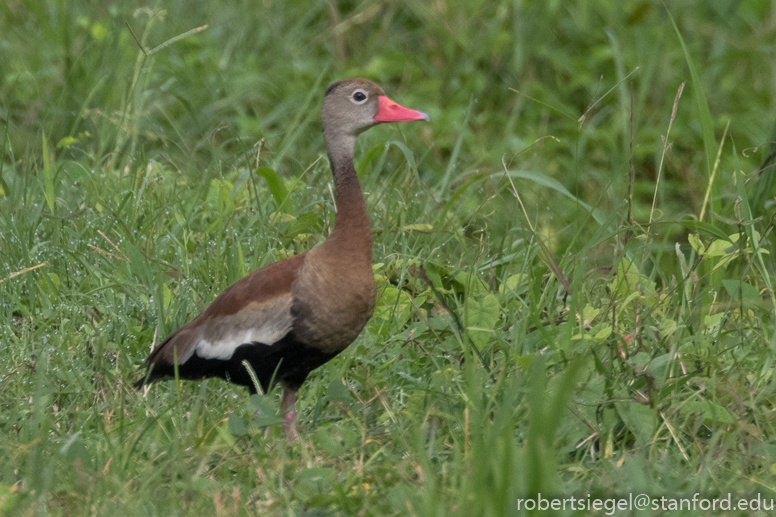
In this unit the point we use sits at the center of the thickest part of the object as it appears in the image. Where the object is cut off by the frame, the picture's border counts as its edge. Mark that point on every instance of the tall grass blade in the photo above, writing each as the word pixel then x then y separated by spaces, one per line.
pixel 707 125
pixel 710 186
pixel 755 240
pixel 765 180
pixel 452 163
pixel 175 39
pixel 48 176
pixel 303 115
pixel 546 181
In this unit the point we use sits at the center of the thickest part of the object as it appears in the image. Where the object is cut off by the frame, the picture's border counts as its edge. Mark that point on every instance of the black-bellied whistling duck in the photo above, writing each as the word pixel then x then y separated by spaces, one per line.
pixel 290 317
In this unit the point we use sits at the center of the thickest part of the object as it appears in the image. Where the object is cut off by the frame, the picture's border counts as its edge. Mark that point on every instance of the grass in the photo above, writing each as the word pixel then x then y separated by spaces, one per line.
pixel 539 329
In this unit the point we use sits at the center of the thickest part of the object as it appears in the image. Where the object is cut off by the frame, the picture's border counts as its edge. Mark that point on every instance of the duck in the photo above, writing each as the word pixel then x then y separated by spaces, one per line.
pixel 286 319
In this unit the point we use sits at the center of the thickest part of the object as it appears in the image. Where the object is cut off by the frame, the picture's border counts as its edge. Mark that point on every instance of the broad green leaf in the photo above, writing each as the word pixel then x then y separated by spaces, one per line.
pixel 629 281
pixel 470 284
pixel 300 224
pixel 641 360
pixel 515 284
pixel 281 217
pixel 276 187
pixel 434 273
pixel 338 392
pixel 658 364
pixel 696 243
pixel 219 196
pixel 639 419
pixel 237 426
pixel 721 248
pixel 589 314
pixel 67 141
pixel 738 290
pixel 49 284
pixel 55 280
pixel 711 412
pixel 603 333
pixel 482 314
pixel 712 322
pixel 667 327
pixel 394 307
pixel 418 227
pixel 7 499
pixel 264 409
pixel 167 295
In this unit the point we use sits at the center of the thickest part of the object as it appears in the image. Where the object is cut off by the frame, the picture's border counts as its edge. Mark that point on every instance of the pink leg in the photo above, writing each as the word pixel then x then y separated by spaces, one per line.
pixel 288 400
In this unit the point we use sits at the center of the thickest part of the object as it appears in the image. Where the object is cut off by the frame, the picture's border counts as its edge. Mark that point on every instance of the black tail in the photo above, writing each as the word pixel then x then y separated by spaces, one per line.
pixel 148 378
pixel 151 375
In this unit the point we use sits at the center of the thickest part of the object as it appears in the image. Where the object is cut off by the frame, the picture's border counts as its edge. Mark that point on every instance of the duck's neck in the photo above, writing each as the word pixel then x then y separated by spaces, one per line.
pixel 352 233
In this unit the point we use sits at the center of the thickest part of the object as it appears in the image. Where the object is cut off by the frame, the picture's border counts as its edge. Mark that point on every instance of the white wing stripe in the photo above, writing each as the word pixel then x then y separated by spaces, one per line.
pixel 263 323
pixel 224 348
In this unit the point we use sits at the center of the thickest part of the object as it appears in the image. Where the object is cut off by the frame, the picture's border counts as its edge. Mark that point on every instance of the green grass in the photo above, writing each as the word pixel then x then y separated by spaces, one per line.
pixel 568 342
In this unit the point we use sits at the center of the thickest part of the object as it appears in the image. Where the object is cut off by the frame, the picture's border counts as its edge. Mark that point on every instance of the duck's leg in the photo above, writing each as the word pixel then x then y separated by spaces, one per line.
pixel 289 417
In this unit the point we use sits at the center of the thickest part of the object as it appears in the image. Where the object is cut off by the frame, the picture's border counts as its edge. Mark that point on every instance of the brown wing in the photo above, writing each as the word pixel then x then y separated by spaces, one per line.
pixel 256 308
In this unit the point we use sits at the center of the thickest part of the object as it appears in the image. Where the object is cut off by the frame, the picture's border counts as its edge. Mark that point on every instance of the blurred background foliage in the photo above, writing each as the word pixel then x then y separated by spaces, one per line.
pixel 496 77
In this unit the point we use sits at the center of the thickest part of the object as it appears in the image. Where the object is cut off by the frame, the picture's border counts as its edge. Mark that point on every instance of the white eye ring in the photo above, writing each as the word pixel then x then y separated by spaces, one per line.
pixel 359 97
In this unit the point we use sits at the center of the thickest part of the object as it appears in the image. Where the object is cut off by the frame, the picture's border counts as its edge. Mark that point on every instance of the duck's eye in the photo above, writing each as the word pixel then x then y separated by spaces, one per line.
pixel 359 96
